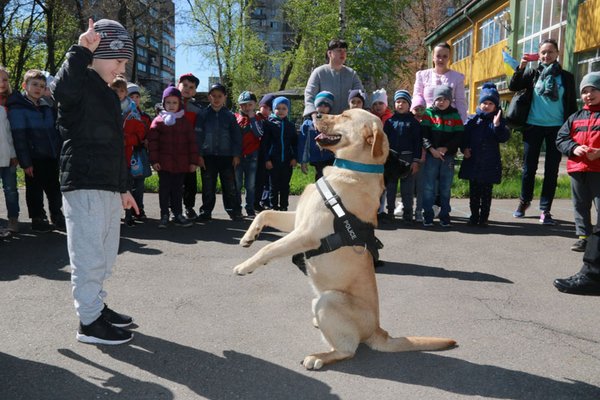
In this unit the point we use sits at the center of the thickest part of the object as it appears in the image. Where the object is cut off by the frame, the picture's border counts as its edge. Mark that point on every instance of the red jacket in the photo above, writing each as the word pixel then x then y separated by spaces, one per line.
pixel 173 147
pixel 251 133
pixel 581 128
pixel 135 133
pixel 387 114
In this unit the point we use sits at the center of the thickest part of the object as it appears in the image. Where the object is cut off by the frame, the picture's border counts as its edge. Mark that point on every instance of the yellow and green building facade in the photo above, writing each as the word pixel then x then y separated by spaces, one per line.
pixel 480 29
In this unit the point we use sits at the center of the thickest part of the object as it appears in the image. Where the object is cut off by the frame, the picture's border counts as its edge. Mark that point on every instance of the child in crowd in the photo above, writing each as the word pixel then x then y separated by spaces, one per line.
pixel 419 108
pixel 308 151
pixel 37 144
pixel 245 173
pixel 262 187
pixel 135 134
pixel 280 142
pixel 442 130
pixel 93 175
pixel 8 158
pixel 357 99
pixel 133 91
pixel 188 84
pixel 579 139
pixel 173 153
pixel 404 135
pixel 482 164
pixel 220 146
pixel 379 105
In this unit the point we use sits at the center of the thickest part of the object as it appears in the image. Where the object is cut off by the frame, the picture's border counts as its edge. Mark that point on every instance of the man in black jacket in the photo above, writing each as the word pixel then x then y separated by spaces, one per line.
pixel 93 173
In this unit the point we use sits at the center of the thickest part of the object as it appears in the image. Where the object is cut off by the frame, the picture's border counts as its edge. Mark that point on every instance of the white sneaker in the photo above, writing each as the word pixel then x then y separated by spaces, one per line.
pixel 399 209
pixel 436 211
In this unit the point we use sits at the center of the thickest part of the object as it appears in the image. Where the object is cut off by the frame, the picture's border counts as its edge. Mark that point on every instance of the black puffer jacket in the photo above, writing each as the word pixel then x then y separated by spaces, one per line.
pixel 527 77
pixel 90 122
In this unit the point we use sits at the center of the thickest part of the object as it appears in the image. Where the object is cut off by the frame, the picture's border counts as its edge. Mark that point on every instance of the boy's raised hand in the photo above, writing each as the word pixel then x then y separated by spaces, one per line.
pixel 497 118
pixel 90 39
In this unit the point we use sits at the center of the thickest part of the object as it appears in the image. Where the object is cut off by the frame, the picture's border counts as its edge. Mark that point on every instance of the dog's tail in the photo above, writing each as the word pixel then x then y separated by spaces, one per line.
pixel 382 341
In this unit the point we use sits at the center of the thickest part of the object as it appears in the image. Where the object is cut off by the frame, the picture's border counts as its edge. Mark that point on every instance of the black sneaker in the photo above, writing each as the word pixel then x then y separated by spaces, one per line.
pixel 190 214
pixel 203 216
pixel 40 225
pixel 579 245
pixel 102 332
pixel 164 221
pixel 182 221
pixel 116 319
pixel 59 222
pixel 141 217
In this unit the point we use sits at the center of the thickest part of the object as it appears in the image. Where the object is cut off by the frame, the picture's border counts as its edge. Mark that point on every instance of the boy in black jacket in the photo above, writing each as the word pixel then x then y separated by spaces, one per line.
pixel 94 176
pixel 280 142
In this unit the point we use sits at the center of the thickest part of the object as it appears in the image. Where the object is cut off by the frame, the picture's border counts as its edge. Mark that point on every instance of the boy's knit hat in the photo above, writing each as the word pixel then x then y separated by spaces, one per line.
pixel 444 91
pixel 280 100
pixel 115 42
pixel 171 91
pixel 379 96
pixel 189 77
pixel 592 79
pixel 132 88
pixel 403 94
pixel 267 100
pixel 246 97
pixel 489 93
pixel 324 97
pixel 357 93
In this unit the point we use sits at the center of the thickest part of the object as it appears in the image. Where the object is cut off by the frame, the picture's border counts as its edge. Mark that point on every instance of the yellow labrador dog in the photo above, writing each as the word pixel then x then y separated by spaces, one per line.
pixel 346 307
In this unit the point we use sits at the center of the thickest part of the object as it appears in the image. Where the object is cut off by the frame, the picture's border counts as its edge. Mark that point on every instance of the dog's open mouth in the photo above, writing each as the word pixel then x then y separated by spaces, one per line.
pixel 327 140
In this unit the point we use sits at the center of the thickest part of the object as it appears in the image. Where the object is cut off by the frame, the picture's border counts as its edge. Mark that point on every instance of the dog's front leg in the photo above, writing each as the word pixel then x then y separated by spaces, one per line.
pixel 280 220
pixel 291 244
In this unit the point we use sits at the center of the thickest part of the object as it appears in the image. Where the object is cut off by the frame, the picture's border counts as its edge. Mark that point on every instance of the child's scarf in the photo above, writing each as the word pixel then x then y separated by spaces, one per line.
pixel 546 83
pixel 170 118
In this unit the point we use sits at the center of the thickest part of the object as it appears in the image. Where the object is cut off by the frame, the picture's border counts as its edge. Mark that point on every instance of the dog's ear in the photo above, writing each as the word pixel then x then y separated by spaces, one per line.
pixel 374 136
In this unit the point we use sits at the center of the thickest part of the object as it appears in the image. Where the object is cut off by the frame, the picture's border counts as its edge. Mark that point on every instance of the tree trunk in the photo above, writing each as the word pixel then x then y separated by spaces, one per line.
pixel 290 65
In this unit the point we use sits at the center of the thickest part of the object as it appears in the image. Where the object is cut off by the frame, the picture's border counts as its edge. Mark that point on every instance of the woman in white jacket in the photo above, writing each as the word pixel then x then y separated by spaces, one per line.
pixel 8 159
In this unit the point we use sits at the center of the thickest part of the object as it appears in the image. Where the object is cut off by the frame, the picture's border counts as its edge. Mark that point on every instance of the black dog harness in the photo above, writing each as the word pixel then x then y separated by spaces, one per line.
pixel 348 230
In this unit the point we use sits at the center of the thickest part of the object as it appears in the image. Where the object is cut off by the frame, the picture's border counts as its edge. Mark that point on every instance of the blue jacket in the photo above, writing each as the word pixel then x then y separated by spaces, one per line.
pixel 33 129
pixel 218 133
pixel 483 138
pixel 404 134
pixel 308 151
pixel 280 140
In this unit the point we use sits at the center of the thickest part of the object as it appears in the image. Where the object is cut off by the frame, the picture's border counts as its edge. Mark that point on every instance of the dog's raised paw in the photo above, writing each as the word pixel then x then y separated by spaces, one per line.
pixel 312 362
pixel 246 242
pixel 242 269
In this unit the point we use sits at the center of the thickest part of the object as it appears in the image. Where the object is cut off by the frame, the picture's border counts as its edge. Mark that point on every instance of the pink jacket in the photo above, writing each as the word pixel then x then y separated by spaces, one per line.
pixel 427 80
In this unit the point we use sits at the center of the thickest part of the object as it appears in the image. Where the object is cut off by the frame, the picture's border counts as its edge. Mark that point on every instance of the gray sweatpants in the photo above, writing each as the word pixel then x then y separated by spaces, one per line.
pixel 585 190
pixel 93 228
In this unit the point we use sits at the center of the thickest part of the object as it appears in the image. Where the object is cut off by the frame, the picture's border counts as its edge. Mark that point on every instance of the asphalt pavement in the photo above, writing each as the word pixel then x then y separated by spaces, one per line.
pixel 203 333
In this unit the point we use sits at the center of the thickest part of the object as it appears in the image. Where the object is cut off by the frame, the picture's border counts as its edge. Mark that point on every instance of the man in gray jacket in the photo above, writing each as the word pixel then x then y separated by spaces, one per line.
pixel 334 77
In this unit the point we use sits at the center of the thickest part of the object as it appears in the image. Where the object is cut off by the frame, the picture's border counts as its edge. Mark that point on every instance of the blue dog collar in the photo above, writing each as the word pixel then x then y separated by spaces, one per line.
pixel 359 167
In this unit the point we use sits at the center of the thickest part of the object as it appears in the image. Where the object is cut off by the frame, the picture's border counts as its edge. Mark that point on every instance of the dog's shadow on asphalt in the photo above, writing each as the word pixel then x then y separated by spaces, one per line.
pixel 453 375
pixel 394 268
pixel 230 376
pixel 27 379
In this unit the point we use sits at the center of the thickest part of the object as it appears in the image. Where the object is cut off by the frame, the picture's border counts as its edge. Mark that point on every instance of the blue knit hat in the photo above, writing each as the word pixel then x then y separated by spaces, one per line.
pixel 284 100
pixel 403 94
pixel 324 97
pixel 489 92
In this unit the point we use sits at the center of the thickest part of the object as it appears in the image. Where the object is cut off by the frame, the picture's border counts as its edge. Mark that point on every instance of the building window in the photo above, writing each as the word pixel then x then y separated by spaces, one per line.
pixel 587 62
pixel 153 12
pixel 142 67
pixel 542 19
pixel 492 31
pixel 462 46
pixel 141 51
pixel 153 42
pixel 153 70
pixel 168 63
pixel 142 40
pixel 499 81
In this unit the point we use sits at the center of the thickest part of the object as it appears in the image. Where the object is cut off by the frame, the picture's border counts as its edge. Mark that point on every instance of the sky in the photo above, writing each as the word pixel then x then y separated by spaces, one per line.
pixel 189 59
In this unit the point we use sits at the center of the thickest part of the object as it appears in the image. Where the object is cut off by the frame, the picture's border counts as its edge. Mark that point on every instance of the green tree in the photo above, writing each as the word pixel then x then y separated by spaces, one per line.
pixel 225 38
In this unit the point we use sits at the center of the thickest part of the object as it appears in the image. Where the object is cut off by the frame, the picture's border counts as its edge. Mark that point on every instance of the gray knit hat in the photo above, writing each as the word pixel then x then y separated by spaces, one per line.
pixel 592 79
pixel 115 42
pixel 442 91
